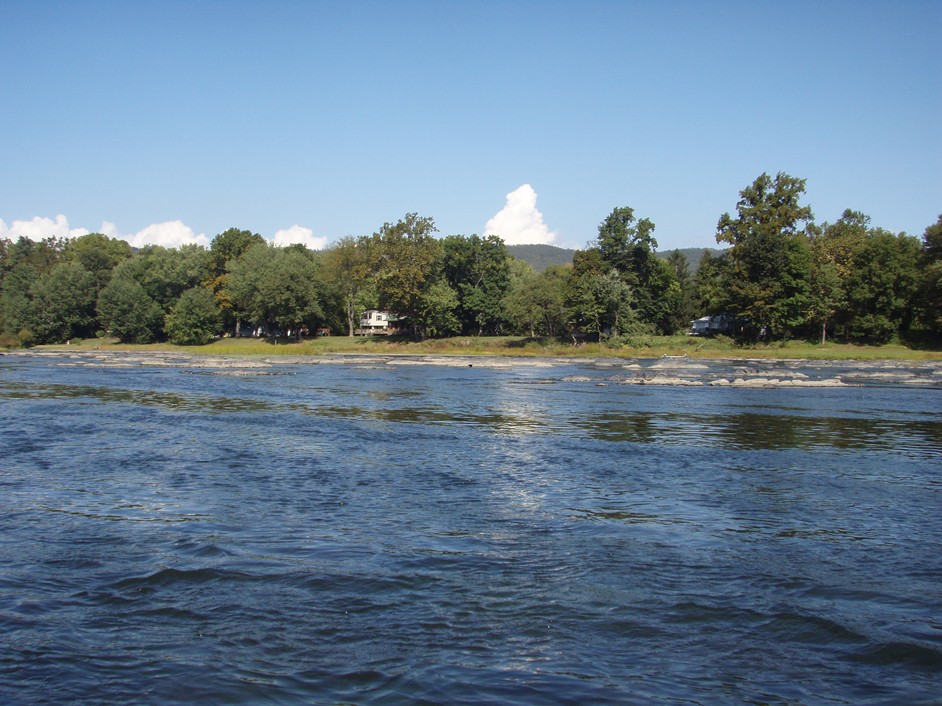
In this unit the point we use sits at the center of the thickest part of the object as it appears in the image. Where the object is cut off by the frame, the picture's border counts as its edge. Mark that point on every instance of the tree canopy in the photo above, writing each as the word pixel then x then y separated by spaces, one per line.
pixel 781 275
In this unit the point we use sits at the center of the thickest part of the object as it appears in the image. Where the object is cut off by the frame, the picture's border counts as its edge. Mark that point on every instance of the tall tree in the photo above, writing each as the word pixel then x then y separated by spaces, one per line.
pixel 931 284
pixel 711 295
pixel 520 310
pixel 276 287
pixel 127 311
pixel 624 241
pixel 98 254
pixel 686 308
pixel 478 270
pixel 228 247
pixel 882 286
pixel 62 304
pixel 346 269
pixel 834 248
pixel 627 245
pixel 195 319
pixel 406 261
pixel 770 258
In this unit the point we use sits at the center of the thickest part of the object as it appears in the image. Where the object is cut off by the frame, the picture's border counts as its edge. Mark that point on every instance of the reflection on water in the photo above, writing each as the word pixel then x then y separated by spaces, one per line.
pixel 749 430
pixel 729 427
pixel 405 534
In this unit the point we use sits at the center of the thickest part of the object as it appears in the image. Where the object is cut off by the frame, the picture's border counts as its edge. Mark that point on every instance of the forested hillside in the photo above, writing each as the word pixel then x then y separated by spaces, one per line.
pixel 780 275
pixel 539 257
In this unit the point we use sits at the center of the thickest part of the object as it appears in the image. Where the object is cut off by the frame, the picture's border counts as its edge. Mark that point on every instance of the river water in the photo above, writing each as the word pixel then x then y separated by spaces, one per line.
pixel 419 534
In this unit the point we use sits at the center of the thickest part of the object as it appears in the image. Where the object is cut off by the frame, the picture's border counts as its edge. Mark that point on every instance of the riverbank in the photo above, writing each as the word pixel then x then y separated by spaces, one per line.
pixel 665 370
pixel 520 347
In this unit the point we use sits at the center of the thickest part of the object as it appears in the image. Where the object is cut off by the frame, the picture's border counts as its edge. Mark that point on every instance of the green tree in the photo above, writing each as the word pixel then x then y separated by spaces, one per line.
pixel 628 246
pixel 931 279
pixel 346 271
pixel 24 262
pixel 519 308
pixel 616 305
pixel 62 304
pixel 99 255
pixel 710 293
pixel 15 297
pixel 826 294
pixel 227 248
pixel 834 248
pixel 406 260
pixel 882 286
pixel 195 319
pixel 625 242
pixel 478 270
pixel 437 310
pixel 128 311
pixel 549 294
pixel 165 273
pixel 276 287
pixel 686 307
pixel 770 258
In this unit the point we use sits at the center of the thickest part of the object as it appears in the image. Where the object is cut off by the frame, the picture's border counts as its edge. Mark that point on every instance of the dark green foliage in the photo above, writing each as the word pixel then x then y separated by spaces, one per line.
pixel 276 287
pixel 99 255
pixel 127 311
pixel 627 246
pixel 346 274
pixel 229 246
pixel 781 274
pixel 930 296
pixel 709 282
pixel 406 260
pixel 478 270
pixel 195 319
pixel 882 287
pixel 437 310
pixel 770 258
pixel 686 308
pixel 62 304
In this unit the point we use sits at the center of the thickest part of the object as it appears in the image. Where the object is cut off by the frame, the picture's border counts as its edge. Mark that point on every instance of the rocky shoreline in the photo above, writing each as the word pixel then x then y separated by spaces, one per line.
pixel 676 371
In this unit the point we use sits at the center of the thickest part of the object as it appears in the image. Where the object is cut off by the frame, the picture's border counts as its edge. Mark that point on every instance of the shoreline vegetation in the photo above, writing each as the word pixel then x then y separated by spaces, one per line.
pixel 517 347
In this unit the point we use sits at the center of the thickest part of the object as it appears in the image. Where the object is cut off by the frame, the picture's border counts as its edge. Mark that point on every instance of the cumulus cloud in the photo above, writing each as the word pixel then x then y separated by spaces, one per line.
pixel 299 235
pixel 519 222
pixel 39 228
pixel 170 234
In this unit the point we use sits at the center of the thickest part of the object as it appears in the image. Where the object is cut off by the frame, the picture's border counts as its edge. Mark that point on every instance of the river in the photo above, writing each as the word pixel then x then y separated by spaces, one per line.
pixel 535 533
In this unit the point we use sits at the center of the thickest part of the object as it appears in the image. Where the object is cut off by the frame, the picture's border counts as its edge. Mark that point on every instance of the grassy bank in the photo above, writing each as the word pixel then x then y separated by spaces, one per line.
pixel 650 347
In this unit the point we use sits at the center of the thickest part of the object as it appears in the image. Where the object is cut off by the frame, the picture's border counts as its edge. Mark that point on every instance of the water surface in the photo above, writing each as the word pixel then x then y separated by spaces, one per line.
pixel 381 534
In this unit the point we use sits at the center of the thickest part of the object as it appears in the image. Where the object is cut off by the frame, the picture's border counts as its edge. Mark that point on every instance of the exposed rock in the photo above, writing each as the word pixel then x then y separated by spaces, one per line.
pixel 662 380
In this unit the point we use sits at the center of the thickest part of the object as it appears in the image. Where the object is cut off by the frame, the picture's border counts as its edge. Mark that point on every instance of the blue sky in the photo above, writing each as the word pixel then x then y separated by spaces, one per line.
pixel 172 121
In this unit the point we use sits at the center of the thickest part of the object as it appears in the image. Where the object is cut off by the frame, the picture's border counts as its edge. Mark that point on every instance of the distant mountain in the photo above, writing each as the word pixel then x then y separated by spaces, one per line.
pixel 693 255
pixel 542 256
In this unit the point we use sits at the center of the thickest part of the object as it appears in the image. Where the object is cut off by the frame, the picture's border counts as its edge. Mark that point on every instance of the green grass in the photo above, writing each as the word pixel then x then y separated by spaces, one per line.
pixel 646 347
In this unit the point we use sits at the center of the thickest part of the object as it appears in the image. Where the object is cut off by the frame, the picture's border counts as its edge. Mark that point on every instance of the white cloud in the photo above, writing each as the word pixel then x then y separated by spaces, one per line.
pixel 299 234
pixel 39 228
pixel 519 222
pixel 170 234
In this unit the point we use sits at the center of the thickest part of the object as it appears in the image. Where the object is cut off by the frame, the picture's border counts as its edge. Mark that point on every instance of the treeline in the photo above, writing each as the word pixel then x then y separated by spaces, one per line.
pixel 781 276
